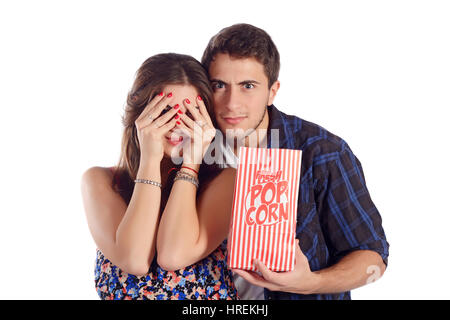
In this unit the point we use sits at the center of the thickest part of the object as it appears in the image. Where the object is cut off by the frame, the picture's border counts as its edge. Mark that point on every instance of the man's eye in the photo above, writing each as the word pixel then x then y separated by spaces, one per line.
pixel 218 85
pixel 249 86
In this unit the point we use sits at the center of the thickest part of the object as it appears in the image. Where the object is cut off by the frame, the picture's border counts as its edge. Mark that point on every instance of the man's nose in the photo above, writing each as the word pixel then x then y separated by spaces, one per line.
pixel 232 99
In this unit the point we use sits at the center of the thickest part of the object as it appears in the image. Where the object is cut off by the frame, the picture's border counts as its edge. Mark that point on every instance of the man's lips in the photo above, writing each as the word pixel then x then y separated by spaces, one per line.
pixel 233 120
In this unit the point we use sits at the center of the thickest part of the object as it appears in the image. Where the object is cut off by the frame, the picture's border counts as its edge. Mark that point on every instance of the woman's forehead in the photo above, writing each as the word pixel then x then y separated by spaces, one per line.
pixel 181 91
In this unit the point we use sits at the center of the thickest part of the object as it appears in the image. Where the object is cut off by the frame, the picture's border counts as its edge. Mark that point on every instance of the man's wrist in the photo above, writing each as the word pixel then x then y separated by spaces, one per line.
pixel 317 282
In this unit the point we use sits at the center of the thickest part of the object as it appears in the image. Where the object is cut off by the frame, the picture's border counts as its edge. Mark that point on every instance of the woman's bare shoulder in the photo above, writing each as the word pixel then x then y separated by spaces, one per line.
pixel 97 176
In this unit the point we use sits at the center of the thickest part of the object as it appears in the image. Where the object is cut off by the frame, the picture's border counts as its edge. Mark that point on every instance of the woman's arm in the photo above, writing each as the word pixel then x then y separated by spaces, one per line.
pixel 125 235
pixel 190 229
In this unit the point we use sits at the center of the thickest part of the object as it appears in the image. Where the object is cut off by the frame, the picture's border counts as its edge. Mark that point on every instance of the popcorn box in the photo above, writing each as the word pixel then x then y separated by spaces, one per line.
pixel 264 214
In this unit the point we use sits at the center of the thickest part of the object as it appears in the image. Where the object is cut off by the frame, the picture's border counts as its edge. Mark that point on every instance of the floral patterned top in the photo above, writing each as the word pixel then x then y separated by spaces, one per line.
pixel 209 278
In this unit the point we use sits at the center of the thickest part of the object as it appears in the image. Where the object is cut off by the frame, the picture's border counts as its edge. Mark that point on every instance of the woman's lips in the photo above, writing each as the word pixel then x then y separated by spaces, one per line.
pixel 175 140
pixel 234 120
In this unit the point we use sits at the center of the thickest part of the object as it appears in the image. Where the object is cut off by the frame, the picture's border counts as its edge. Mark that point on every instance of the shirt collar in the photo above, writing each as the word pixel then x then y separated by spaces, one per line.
pixel 279 124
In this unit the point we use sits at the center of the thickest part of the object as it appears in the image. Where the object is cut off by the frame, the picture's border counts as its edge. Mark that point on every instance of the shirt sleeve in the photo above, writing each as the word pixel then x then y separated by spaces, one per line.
pixel 349 219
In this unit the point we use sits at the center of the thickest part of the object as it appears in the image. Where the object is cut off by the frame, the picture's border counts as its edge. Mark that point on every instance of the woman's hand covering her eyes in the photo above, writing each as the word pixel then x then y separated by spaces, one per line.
pixel 152 125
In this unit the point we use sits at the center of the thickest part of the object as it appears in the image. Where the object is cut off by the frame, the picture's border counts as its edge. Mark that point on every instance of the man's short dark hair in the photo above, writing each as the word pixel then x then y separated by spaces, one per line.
pixel 245 41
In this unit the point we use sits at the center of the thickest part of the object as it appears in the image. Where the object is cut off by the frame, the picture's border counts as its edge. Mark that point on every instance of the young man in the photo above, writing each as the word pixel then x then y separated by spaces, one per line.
pixel 343 245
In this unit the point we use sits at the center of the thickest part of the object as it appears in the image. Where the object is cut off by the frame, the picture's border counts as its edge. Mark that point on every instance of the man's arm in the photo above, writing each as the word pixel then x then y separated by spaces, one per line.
pixel 355 270
pixel 355 237
pixel 352 271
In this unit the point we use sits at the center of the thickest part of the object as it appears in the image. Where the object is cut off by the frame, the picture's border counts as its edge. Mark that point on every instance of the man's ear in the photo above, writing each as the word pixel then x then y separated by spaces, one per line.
pixel 273 92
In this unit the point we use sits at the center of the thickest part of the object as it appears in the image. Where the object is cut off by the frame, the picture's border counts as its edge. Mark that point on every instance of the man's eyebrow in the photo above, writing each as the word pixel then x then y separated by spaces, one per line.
pixel 216 80
pixel 248 81
pixel 240 83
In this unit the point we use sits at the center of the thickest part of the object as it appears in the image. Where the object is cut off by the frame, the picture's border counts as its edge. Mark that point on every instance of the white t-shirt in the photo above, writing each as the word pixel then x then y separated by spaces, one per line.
pixel 245 289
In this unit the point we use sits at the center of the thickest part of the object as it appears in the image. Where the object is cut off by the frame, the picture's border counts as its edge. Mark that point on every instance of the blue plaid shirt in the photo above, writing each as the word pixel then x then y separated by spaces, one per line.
pixel 335 212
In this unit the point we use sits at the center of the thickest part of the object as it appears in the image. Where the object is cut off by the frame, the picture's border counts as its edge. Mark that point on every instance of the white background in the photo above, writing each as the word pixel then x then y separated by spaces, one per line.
pixel 376 73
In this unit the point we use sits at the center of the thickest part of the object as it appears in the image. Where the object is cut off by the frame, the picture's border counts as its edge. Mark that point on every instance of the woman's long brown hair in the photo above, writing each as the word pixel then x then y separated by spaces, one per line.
pixel 154 74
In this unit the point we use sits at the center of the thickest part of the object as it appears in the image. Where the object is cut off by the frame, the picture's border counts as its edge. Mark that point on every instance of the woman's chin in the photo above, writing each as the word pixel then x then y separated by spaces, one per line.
pixel 173 150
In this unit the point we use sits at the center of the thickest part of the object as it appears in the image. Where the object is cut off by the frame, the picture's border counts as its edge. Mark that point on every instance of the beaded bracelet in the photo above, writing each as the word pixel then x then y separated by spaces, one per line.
pixel 187 177
pixel 148 182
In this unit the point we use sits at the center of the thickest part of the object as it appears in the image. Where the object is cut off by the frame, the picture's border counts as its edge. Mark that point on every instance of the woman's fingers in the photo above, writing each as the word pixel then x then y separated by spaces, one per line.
pixel 165 117
pixel 192 110
pixel 203 111
pixel 198 122
pixel 166 127
pixel 156 106
pixel 158 98
pixel 188 122
pixel 183 129
pixel 159 121
pixel 155 112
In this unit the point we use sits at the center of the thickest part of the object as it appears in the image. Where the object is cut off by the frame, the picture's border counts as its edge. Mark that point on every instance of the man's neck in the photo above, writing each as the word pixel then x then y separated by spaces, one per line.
pixel 257 139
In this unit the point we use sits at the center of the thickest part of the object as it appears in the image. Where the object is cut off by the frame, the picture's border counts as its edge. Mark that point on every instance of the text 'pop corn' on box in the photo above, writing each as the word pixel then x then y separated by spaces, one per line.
pixel 265 209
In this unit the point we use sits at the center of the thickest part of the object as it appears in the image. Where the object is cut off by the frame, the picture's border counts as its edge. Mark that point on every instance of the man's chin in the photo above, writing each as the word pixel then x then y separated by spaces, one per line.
pixel 235 136
pixel 234 130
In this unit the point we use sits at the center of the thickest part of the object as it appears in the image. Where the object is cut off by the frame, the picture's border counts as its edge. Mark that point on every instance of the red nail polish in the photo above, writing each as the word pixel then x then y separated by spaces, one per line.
pixel 187 101
pixel 178 122
pixel 199 98
pixel 169 95
pixel 161 94
pixel 180 112
pixel 177 116
pixel 176 106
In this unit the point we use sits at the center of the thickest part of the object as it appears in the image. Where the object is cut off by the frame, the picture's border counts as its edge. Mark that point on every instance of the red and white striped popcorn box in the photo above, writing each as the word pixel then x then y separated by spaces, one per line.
pixel 264 214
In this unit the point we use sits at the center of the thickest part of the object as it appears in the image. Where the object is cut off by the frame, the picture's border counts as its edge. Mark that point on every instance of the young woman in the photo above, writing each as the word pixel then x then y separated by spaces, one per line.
pixel 166 112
